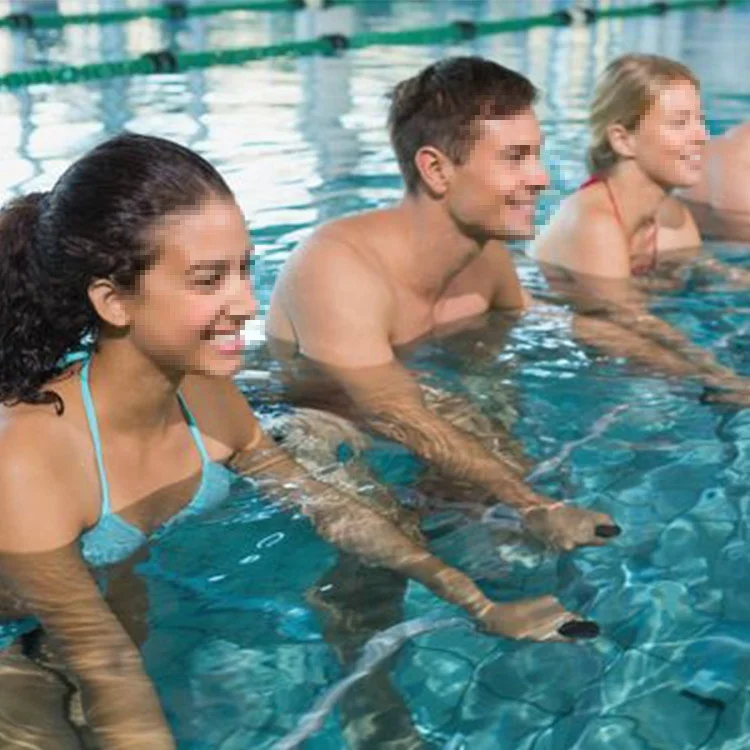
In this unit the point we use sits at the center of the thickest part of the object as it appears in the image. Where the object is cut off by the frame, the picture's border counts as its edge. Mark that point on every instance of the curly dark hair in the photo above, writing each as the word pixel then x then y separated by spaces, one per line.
pixel 440 107
pixel 93 224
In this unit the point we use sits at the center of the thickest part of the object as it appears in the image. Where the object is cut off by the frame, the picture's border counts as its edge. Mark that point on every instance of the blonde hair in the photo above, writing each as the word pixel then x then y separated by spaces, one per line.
pixel 624 93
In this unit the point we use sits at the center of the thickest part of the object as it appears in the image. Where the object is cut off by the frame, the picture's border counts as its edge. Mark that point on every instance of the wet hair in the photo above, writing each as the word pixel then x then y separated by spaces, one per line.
pixel 96 223
pixel 624 94
pixel 441 107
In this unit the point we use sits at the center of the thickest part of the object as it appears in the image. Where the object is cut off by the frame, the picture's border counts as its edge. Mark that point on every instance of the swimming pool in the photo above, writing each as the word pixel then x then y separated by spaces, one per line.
pixel 235 646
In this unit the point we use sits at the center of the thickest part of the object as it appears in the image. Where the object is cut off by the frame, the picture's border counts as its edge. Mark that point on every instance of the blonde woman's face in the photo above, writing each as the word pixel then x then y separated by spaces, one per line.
pixel 668 143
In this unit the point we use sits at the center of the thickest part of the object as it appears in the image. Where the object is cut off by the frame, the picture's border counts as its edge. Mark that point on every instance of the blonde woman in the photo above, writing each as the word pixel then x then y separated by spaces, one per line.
pixel 647 139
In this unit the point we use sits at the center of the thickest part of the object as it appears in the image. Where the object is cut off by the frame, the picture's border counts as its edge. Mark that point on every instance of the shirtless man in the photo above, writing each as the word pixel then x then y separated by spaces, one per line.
pixel 363 287
pixel 468 145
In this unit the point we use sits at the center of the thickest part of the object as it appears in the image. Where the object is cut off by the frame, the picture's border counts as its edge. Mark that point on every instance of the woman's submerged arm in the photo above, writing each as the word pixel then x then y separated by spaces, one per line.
pixel 354 527
pixel 678 230
pixel 623 325
pixel 347 523
pixel 40 561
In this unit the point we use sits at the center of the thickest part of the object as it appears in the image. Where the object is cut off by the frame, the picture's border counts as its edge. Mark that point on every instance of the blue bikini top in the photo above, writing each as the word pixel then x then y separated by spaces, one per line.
pixel 113 539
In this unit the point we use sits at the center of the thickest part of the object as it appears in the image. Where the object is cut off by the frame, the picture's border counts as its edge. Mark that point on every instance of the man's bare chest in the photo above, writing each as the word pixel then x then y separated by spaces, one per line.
pixel 415 318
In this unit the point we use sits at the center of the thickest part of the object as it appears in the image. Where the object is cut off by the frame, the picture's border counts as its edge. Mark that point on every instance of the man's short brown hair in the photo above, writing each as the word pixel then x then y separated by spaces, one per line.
pixel 441 105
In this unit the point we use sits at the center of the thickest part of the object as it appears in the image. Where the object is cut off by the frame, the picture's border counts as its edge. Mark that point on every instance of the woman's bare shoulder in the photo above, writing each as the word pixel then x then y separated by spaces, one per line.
pixel 584 235
pixel 221 412
pixel 45 479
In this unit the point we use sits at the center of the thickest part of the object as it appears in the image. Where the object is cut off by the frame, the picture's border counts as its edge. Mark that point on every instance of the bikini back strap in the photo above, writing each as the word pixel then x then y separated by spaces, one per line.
pixel 88 405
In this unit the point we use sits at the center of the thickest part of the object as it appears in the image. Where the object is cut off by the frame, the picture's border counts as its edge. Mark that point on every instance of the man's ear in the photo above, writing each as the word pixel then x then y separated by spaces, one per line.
pixel 435 169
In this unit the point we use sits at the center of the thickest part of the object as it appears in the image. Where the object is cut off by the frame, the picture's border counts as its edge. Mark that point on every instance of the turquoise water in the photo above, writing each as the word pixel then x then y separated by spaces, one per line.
pixel 235 646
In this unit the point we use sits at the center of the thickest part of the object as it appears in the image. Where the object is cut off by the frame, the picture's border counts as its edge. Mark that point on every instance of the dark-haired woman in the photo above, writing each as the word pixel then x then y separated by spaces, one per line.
pixel 123 293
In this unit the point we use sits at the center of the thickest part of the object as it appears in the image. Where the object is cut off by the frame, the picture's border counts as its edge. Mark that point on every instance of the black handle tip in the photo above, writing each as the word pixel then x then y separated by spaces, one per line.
pixel 579 629
pixel 607 530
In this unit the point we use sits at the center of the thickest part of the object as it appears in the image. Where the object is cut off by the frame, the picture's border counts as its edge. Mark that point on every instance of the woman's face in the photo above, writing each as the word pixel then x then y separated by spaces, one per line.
pixel 192 304
pixel 668 142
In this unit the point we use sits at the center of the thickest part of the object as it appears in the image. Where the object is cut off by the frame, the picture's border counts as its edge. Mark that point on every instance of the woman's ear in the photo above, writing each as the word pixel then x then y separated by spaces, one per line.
pixel 621 140
pixel 109 303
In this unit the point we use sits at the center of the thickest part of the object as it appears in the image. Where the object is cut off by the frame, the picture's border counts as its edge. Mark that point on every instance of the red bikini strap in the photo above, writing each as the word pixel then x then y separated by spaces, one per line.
pixel 593 180
pixel 615 207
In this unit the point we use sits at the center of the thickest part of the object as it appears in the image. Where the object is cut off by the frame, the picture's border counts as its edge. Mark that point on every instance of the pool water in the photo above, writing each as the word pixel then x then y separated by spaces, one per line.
pixel 236 646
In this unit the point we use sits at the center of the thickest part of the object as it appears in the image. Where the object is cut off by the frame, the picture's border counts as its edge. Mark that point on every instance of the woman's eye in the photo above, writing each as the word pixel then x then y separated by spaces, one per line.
pixel 206 282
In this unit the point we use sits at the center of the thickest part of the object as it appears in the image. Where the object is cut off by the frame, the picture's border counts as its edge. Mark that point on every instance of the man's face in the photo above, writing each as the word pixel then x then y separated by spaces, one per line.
pixel 493 194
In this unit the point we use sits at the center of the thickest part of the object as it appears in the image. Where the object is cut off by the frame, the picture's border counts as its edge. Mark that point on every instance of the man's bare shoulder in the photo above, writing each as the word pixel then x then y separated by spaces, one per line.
pixel 496 266
pixel 334 297
pixel 352 237
pixel 341 255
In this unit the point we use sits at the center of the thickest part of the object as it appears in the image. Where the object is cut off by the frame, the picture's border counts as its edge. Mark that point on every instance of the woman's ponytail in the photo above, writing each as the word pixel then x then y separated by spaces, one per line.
pixel 28 353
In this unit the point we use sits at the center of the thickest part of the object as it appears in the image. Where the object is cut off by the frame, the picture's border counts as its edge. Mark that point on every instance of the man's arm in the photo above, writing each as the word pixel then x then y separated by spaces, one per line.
pixel 342 320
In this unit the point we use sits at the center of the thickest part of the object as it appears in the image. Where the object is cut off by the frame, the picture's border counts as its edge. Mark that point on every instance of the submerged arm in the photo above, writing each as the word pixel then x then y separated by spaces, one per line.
pixel 734 275
pixel 350 525
pixel 389 400
pixel 356 528
pixel 623 325
pixel 342 315
pixel 41 562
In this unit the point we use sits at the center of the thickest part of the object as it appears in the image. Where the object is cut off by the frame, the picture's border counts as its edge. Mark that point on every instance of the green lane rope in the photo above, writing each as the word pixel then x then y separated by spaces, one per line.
pixel 170 10
pixel 167 61
pixel 660 8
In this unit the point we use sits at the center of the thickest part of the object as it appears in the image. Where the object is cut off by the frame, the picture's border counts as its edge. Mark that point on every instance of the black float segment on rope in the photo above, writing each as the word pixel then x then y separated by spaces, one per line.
pixel 565 17
pixel 466 29
pixel 176 10
pixel 163 61
pixel 336 42
pixel 23 21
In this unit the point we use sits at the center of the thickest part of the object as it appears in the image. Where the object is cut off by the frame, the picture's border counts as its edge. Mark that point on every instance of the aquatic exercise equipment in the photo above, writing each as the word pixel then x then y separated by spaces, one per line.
pixel 171 61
